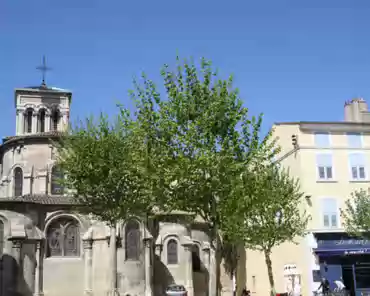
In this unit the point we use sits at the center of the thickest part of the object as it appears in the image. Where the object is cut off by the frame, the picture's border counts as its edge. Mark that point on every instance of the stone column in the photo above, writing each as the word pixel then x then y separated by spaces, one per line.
pixel 16 252
pixel 148 266
pixel 28 264
pixel 20 123
pixel 47 122
pixel 87 244
pixel 27 183
pixel 39 272
pixel 41 182
pixel 8 186
pixel 206 262
pixel 63 121
pixel 34 122
pixel 212 288
pixel 189 268
pixel 158 250
pixel 113 291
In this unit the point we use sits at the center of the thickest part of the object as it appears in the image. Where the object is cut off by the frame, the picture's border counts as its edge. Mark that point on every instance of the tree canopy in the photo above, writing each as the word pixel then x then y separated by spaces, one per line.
pixel 206 136
pixel 356 215
pixel 191 146
pixel 102 174
pixel 265 211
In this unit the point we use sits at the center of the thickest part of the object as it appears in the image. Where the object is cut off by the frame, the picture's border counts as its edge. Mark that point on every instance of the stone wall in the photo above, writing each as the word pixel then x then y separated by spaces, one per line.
pixel 32 271
pixel 64 276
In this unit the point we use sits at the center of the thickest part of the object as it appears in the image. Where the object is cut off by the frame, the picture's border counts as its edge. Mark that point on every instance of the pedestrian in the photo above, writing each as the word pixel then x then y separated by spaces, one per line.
pixel 324 286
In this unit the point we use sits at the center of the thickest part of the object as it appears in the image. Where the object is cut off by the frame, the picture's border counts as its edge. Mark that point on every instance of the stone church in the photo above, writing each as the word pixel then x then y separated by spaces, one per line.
pixel 46 248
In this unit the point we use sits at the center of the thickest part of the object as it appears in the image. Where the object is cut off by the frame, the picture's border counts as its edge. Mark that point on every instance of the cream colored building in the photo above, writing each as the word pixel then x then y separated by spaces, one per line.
pixel 331 159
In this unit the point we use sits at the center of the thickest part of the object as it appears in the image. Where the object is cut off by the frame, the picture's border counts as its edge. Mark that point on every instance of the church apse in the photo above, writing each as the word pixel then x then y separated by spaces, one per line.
pixel 60 252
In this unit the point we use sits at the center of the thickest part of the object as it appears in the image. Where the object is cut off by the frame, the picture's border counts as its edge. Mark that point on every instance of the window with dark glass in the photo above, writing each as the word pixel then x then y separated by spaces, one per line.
pixel 172 252
pixel 18 181
pixel 56 178
pixel 196 258
pixel 28 121
pixel 1 237
pixel 362 275
pixel 132 240
pixel 63 238
pixel 41 121
pixel 55 120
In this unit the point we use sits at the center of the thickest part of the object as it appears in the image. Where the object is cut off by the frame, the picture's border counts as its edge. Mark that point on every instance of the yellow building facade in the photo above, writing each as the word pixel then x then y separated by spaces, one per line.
pixel 332 160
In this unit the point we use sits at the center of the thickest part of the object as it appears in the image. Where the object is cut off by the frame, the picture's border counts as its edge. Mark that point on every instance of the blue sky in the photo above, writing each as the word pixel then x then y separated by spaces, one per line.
pixel 292 60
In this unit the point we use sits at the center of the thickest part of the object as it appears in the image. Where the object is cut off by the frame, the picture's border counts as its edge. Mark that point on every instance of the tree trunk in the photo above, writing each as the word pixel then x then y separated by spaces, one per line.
pixel 113 255
pixel 269 271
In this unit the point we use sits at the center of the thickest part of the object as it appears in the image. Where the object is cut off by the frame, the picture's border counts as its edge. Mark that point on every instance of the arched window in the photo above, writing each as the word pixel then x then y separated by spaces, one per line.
pixel 56 177
pixel 41 121
pixel 172 252
pixel 28 121
pixel 132 240
pixel 18 181
pixel 195 258
pixel 55 116
pixel 1 237
pixel 63 238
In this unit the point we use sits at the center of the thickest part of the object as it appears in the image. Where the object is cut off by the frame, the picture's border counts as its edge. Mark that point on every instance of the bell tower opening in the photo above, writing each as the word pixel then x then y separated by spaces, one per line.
pixel 55 118
pixel 41 121
pixel 28 114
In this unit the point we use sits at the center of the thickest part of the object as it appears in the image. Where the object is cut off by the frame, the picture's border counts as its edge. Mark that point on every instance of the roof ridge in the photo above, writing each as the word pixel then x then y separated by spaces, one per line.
pixel 45 199
pixel 54 134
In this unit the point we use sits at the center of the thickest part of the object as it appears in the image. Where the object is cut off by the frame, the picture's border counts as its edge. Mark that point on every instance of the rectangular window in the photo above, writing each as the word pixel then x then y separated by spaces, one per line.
pixel 354 140
pixel 324 166
pixel 357 164
pixel 329 213
pixel 322 140
pixel 362 273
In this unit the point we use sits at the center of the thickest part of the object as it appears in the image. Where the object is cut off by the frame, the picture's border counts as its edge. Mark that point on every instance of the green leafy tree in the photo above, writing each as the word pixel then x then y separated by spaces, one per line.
pixel 185 150
pixel 206 138
pixel 356 215
pixel 265 211
pixel 103 172
pixel 205 134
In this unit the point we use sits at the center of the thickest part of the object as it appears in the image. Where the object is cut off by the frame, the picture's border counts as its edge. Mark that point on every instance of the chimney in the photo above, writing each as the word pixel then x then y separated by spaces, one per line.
pixel 355 110
pixel 362 105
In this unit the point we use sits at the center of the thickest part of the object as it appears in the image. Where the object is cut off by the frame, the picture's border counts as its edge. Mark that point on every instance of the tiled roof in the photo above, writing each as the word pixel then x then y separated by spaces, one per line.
pixel 43 199
pixel 52 134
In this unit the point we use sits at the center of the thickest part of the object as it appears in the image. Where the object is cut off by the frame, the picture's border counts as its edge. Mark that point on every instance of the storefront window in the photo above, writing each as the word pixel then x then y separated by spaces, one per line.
pixel 362 273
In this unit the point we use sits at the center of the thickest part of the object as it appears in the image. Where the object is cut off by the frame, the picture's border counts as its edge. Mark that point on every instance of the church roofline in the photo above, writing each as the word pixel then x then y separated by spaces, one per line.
pixel 43 199
pixel 43 89
pixel 45 135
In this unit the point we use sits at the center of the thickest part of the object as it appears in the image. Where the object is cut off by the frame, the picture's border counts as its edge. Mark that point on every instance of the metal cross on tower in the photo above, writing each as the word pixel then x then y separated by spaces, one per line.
pixel 43 68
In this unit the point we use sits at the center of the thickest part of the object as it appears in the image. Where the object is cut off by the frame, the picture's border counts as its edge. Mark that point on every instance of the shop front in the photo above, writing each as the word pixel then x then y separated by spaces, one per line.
pixel 344 259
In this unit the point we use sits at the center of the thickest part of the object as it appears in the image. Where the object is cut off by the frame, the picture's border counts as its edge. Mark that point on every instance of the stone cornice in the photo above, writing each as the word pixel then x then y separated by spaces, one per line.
pixel 42 92
pixel 31 137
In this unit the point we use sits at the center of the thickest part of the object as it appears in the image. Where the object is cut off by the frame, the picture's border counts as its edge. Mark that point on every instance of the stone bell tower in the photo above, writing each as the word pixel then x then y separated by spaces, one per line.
pixel 41 109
